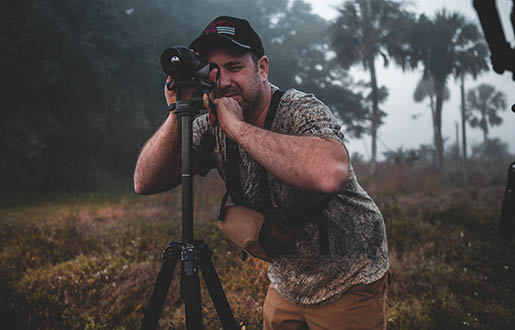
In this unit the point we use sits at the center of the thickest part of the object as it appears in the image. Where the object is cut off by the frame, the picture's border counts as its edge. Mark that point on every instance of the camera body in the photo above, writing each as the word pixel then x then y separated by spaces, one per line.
pixel 189 70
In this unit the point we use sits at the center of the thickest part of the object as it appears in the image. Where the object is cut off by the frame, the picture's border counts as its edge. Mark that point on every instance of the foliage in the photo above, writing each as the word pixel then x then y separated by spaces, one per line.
pixel 486 102
pixel 450 269
pixel 366 29
pixel 357 158
pixel 401 155
pixel 453 152
pixel 423 155
pixel 82 84
pixel 363 31
pixel 78 75
pixel 445 45
pixel 491 151
pixel 426 152
pixel 90 261
pixel 297 45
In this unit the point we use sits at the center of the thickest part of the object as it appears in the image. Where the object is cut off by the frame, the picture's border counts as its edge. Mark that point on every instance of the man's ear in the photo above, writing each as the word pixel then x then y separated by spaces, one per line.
pixel 263 67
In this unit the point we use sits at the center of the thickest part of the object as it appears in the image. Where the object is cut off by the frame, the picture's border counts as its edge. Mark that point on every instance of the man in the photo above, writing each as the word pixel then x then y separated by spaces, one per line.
pixel 288 157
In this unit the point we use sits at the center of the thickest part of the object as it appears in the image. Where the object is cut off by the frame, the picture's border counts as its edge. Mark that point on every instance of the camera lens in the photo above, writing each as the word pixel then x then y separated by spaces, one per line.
pixel 181 63
pixel 171 62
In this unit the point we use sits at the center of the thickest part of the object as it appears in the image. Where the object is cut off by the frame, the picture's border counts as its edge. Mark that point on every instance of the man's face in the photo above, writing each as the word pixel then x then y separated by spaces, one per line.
pixel 240 78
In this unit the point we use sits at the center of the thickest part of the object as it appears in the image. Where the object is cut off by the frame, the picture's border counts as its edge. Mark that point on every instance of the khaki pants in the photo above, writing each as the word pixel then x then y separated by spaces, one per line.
pixel 362 307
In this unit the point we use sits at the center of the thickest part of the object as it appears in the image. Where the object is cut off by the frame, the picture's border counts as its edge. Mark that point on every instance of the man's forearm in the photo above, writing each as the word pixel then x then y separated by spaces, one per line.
pixel 310 163
pixel 157 168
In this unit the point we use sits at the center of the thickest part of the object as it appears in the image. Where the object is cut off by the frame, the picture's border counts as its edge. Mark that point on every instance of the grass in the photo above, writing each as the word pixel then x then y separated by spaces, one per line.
pixel 89 260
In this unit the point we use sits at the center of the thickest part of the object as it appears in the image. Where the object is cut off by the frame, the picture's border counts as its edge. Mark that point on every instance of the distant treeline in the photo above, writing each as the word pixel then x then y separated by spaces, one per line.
pixel 82 84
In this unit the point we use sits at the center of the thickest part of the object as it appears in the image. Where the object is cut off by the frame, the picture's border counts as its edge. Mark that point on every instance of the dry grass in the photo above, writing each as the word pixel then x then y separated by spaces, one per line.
pixel 89 261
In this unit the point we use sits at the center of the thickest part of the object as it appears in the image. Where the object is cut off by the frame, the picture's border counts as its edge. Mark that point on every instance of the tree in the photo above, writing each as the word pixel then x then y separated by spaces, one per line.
pixel 491 151
pixel 82 86
pixel 440 45
pixel 470 63
pixel 78 77
pixel 298 59
pixel 484 104
pixel 364 30
pixel 426 89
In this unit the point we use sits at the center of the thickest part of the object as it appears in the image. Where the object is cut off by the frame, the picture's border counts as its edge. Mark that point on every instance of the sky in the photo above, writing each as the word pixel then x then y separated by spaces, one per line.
pixel 400 129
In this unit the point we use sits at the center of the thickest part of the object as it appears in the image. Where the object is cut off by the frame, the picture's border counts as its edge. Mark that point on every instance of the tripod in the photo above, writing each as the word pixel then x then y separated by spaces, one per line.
pixel 194 254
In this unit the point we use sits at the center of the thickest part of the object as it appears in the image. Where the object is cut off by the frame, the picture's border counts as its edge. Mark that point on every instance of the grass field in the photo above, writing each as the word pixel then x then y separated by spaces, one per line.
pixel 89 260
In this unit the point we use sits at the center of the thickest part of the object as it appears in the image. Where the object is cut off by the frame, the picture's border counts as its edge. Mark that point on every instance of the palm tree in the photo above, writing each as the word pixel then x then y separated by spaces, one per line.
pixel 486 102
pixel 364 30
pixel 426 89
pixel 470 63
pixel 440 45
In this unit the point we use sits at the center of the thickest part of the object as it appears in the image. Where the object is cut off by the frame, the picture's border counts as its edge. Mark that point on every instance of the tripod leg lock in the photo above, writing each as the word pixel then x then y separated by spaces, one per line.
pixel 172 250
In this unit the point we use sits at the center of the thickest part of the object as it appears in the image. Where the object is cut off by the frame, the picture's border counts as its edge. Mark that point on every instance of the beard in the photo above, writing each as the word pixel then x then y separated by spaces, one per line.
pixel 248 99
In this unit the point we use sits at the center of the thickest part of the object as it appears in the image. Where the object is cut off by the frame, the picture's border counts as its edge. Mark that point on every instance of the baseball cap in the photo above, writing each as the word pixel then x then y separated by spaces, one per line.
pixel 235 30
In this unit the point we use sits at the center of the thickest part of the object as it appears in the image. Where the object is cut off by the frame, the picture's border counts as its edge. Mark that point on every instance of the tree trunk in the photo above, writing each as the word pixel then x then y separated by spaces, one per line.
pixel 433 115
pixel 433 111
pixel 439 89
pixel 485 122
pixel 485 134
pixel 375 108
pixel 463 119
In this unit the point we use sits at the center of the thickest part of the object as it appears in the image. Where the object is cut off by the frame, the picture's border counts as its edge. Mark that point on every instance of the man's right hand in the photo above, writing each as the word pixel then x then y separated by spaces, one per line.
pixel 171 96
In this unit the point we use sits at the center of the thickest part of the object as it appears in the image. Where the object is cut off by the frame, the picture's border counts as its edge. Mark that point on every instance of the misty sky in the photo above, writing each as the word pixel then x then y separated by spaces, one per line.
pixel 399 128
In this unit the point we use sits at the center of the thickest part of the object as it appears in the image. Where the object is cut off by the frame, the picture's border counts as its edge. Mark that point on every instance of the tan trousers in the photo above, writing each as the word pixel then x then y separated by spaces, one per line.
pixel 362 307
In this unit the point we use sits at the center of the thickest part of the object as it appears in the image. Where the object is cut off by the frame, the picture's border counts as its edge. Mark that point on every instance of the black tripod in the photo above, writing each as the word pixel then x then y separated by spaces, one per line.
pixel 192 253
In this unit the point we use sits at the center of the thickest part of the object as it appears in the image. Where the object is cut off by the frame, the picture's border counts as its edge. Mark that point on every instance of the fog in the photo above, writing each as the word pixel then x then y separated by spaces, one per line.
pixel 400 129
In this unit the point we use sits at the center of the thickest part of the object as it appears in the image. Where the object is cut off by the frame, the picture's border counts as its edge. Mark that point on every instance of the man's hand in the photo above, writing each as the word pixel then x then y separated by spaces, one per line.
pixel 228 116
pixel 171 95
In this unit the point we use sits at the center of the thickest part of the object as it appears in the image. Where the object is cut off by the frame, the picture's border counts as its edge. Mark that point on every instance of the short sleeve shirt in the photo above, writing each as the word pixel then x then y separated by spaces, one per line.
pixel 357 237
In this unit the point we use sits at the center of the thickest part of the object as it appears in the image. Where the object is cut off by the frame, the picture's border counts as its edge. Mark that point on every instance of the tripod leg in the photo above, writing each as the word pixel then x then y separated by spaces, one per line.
pixel 216 291
pixel 164 278
pixel 190 293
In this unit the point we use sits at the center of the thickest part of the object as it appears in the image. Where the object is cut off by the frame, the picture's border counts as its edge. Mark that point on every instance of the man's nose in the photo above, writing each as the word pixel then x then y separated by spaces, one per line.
pixel 213 74
pixel 223 81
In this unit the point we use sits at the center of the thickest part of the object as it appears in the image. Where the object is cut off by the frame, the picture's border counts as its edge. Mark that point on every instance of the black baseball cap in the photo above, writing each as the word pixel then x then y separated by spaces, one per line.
pixel 235 30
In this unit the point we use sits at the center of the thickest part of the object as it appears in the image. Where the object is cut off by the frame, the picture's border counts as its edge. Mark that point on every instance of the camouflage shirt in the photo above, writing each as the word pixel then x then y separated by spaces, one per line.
pixel 356 231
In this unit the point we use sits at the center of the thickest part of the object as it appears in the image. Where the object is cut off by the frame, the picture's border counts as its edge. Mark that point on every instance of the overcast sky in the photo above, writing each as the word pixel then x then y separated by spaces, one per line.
pixel 399 128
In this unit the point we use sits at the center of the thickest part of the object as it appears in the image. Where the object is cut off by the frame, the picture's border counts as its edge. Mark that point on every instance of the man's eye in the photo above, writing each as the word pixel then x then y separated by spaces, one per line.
pixel 235 68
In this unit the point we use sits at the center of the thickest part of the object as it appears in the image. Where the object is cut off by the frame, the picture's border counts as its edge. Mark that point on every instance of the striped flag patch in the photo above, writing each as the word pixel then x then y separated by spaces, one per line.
pixel 225 30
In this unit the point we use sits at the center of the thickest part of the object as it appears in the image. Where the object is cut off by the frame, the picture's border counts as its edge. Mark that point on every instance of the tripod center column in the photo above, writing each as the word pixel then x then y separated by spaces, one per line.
pixel 186 111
